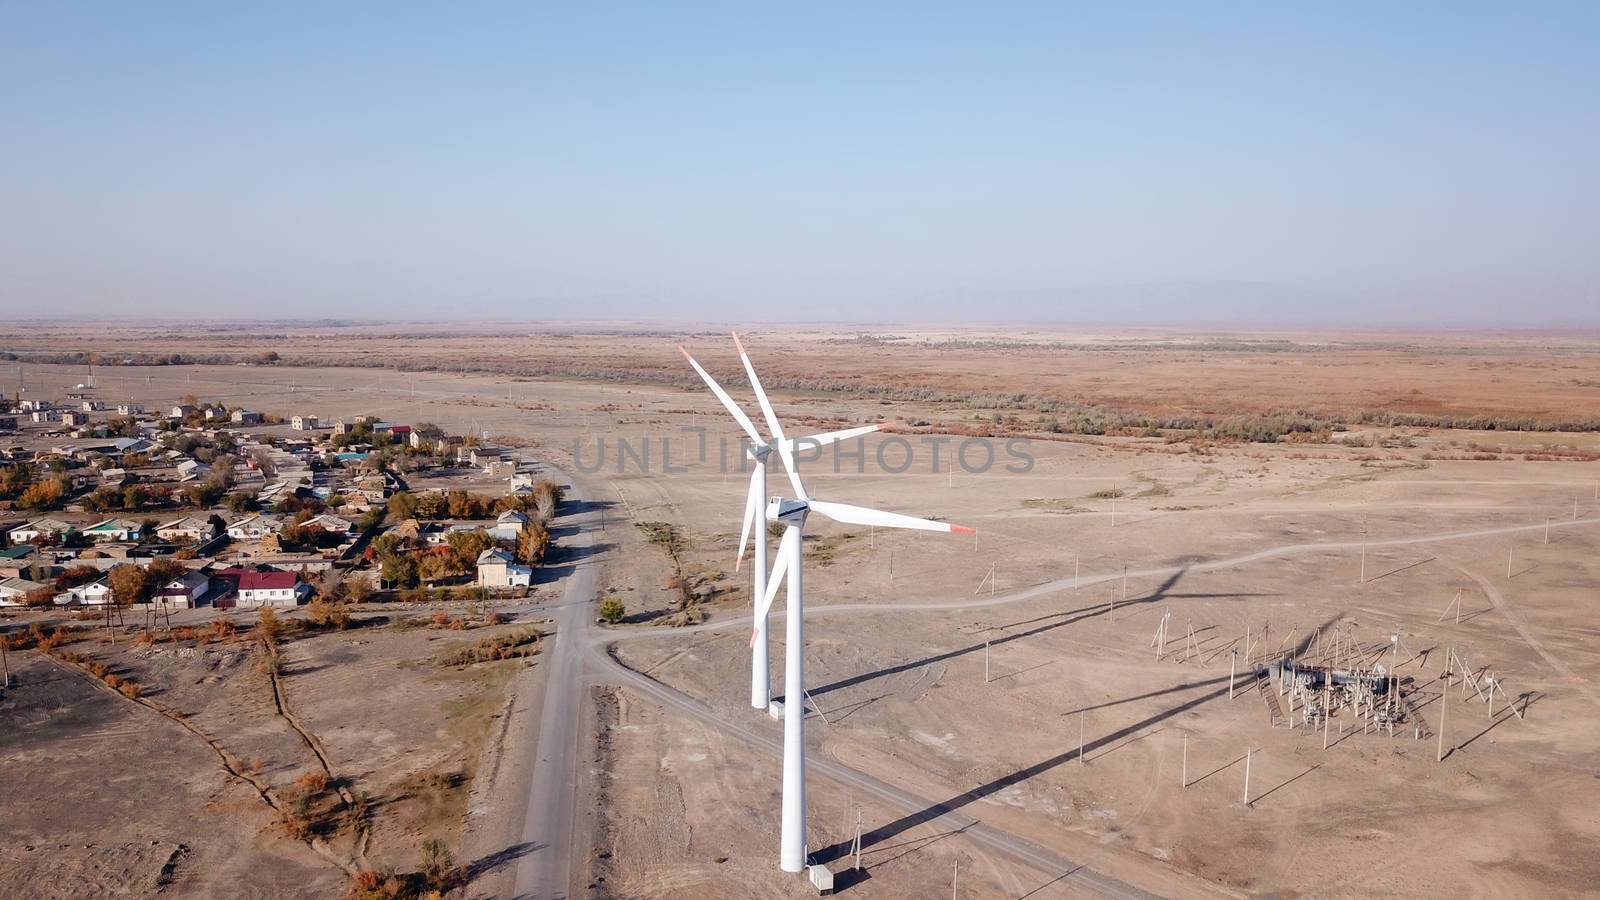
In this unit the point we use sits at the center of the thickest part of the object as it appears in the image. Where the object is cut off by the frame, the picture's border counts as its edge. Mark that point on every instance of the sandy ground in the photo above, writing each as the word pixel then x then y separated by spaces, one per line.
pixel 1226 539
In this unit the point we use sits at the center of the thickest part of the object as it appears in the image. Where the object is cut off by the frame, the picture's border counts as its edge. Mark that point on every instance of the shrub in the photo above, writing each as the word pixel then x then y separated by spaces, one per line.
pixel 612 609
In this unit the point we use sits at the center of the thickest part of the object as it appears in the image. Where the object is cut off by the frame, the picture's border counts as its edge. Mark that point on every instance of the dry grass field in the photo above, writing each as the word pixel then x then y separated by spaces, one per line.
pixel 1258 544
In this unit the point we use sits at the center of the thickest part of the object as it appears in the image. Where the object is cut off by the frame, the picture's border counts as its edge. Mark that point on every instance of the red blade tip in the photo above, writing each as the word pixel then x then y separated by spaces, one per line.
pixel 963 529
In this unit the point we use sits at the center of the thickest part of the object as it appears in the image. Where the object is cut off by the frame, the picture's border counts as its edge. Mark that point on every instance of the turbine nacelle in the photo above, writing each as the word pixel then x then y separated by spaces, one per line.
pixel 786 511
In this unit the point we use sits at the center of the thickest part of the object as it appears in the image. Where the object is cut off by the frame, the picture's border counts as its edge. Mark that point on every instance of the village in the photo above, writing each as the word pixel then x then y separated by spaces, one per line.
pixel 110 509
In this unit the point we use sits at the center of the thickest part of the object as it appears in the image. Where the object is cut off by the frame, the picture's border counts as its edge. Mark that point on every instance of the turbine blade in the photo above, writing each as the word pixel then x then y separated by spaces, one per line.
pixel 773 425
pixel 830 437
pixel 752 507
pixel 861 515
pixel 775 578
pixel 727 402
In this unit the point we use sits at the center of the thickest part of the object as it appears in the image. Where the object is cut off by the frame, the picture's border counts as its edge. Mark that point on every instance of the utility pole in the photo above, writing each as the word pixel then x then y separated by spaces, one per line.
pixel 1247 776
pixel 1510 551
pixel 1233 664
pixel 985 660
pixel 1080 737
pixel 5 661
pixel 1444 697
pixel 857 847
pixel 1185 781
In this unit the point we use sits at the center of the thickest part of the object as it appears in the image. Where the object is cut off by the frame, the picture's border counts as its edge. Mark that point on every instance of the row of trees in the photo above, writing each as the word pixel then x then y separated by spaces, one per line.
pixel 541 501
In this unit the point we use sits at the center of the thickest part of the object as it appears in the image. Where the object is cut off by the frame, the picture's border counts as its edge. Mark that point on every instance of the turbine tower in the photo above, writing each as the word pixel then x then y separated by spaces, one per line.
pixel 759 450
pixel 792 513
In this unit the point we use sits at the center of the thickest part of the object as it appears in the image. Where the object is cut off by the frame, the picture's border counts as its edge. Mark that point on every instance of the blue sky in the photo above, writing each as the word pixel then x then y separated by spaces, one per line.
pixel 1366 164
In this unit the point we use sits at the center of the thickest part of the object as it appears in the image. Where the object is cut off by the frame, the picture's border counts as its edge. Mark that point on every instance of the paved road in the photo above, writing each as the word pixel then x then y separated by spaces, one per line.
pixel 546 872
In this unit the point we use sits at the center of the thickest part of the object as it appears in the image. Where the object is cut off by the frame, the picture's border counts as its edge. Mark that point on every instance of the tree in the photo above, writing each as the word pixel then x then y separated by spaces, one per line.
pixel 429 504
pixel 399 571
pixel 76 575
pixel 612 609
pixel 217 523
pixel 39 596
pixel 466 546
pixel 533 543
pixel 42 494
pixel 357 588
pixel 402 506
pixel 546 496
pixel 165 570
pixel 130 584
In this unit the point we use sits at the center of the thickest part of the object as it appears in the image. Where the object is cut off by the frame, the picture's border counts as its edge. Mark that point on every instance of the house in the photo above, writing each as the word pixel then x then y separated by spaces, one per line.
pixel 95 593
pixel 46 415
pixel 188 528
pixel 27 534
pixel 499 569
pixel 303 423
pixel 192 470
pixel 254 527
pixel 183 591
pixel 183 411
pixel 332 523
pixel 126 445
pixel 35 406
pixel 246 417
pixel 506 528
pixel 255 588
pixel 14 591
pixel 8 424
pixel 72 418
pixel 482 456
pixel 115 530
pixel 130 409
pixel 92 406
pixel 215 413
pixel 425 434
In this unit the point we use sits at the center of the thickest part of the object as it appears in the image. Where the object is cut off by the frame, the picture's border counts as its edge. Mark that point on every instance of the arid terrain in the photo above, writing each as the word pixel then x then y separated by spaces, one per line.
pixel 995 708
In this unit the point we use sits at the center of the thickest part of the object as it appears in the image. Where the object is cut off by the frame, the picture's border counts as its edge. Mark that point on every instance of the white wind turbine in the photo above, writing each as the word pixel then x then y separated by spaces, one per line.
pixel 760 450
pixel 791 513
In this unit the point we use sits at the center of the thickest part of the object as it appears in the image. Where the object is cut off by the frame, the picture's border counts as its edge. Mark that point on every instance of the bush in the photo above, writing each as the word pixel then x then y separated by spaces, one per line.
pixel 327 615
pixel 612 609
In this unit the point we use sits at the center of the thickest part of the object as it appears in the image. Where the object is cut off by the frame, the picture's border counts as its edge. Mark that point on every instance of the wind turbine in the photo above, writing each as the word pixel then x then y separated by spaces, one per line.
pixel 755 497
pixel 792 513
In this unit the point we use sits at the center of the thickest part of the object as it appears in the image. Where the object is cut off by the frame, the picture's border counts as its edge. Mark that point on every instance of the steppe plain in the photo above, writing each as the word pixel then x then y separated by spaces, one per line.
pixel 1229 535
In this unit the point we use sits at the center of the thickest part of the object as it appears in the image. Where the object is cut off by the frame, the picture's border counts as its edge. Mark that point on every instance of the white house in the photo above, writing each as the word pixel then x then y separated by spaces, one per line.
pixel 191 470
pixel 254 527
pixel 303 423
pixel 246 417
pixel 255 589
pixel 14 591
pixel 46 415
pixel 182 411
pixel 115 530
pixel 332 523
pixel 95 593
pixel 188 528
pixel 499 569
pixel 130 409
pixel 510 524
pixel 27 534
pixel 182 592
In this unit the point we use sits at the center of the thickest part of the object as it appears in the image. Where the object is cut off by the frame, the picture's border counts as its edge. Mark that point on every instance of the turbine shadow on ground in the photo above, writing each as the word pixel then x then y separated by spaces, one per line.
pixel 904 823
pixel 1068 617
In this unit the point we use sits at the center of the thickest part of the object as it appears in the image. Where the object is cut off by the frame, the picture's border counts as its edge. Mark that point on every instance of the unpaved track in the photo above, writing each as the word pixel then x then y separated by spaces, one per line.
pixel 1505 609
pixel 990 838
pixel 1050 587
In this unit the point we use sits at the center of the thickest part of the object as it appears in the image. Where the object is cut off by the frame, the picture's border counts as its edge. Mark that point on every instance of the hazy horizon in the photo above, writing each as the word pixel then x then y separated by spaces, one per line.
pixel 1362 167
